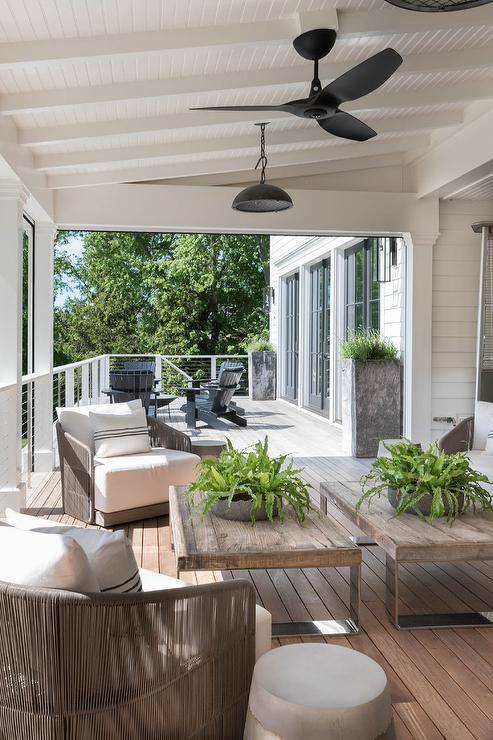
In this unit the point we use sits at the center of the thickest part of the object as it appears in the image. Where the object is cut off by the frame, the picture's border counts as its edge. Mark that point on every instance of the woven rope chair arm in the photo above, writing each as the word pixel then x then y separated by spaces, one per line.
pixel 460 438
pixel 77 476
pixel 162 435
pixel 174 663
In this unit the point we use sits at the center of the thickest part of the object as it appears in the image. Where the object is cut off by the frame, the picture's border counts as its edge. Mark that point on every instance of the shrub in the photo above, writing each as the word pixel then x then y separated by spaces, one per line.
pixel 366 345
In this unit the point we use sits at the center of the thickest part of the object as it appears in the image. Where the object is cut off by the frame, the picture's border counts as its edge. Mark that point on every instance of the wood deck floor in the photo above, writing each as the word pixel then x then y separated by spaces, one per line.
pixel 441 680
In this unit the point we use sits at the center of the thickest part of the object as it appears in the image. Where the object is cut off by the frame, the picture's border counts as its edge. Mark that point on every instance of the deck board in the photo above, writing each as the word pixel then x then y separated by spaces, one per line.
pixel 441 681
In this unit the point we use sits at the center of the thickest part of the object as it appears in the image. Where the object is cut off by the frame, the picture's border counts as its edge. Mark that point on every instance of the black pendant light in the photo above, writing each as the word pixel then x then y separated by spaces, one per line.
pixel 262 197
pixel 437 6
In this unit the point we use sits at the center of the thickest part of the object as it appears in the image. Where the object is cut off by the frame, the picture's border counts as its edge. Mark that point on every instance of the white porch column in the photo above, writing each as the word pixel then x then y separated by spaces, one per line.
pixel 44 236
pixel 418 344
pixel 12 200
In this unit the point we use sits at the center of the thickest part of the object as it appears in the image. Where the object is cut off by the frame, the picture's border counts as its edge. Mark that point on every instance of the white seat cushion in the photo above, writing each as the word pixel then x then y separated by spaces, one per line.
pixel 129 481
pixel 483 423
pixel 110 554
pixel 44 561
pixel 75 420
pixel 482 461
pixel 152 581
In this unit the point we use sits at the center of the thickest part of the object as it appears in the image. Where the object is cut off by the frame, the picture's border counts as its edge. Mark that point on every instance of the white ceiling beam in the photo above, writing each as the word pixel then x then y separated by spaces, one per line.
pixel 385 22
pixel 58 50
pixel 28 102
pixel 462 158
pixel 390 21
pixel 235 164
pixel 298 170
pixel 309 133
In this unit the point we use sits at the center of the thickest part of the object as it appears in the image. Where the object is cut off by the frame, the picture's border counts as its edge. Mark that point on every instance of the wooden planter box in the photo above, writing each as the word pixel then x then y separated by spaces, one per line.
pixel 262 377
pixel 371 405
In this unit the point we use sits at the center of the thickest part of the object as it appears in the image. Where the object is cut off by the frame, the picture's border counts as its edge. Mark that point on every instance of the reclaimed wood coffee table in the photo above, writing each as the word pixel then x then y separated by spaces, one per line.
pixel 210 543
pixel 408 539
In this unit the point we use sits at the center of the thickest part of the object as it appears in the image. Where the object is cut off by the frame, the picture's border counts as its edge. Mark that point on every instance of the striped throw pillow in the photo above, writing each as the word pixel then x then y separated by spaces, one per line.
pixel 110 554
pixel 120 434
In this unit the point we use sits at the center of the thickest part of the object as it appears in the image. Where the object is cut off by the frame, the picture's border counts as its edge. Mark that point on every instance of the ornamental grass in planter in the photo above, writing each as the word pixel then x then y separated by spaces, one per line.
pixel 248 485
pixel 428 483
pixel 262 369
pixel 371 392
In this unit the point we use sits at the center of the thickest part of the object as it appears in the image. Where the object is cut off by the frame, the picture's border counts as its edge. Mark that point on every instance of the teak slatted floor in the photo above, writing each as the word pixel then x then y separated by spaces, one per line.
pixel 441 680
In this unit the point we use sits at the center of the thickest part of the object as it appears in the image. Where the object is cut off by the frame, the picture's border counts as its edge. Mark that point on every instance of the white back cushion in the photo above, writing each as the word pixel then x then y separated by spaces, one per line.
pixel 44 561
pixel 75 419
pixel 120 434
pixel 110 554
pixel 483 423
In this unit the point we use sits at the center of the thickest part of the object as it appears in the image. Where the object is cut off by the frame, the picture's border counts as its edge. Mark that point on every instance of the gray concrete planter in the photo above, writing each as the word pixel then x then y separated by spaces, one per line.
pixel 262 376
pixel 371 404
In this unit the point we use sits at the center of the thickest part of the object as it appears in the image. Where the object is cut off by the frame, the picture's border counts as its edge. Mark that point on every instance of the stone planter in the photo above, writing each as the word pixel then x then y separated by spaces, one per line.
pixel 424 505
pixel 239 510
pixel 262 376
pixel 371 405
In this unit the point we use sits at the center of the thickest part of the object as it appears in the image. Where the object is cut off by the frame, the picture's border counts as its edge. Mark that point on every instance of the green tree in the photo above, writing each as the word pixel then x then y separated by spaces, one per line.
pixel 167 293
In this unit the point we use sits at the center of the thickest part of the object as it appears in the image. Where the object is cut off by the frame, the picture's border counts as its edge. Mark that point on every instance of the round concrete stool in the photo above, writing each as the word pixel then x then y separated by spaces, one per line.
pixel 314 691
pixel 208 447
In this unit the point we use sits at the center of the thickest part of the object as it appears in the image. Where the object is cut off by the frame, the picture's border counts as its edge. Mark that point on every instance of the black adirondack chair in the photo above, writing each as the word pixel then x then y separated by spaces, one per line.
pixel 210 400
pixel 127 385
pixel 140 366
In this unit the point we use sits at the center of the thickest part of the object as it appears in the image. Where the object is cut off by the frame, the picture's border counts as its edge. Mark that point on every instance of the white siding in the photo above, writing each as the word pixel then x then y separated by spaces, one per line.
pixel 392 304
pixel 456 264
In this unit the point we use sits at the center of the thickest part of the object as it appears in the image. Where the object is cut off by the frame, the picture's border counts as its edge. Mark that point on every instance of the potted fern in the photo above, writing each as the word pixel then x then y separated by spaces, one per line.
pixel 428 483
pixel 248 485
pixel 262 369
pixel 371 392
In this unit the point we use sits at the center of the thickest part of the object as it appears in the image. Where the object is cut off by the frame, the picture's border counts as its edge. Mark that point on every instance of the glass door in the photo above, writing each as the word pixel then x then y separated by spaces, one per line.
pixel 291 335
pixel 362 287
pixel 319 389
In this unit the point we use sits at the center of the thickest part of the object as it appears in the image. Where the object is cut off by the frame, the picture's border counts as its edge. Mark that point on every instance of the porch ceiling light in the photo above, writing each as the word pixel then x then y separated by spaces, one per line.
pixel 438 6
pixel 262 197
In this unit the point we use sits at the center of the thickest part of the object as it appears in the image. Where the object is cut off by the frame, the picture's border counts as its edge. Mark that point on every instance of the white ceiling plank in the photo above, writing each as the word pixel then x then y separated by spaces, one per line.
pixel 40 100
pixel 309 133
pixel 236 164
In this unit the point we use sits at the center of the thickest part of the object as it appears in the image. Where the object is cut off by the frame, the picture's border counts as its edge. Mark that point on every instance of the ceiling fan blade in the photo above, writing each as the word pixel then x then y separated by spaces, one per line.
pixel 244 107
pixel 347 127
pixel 362 79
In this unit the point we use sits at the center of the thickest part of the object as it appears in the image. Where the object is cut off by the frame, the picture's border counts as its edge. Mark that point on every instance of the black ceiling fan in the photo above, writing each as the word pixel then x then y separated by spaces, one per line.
pixel 322 104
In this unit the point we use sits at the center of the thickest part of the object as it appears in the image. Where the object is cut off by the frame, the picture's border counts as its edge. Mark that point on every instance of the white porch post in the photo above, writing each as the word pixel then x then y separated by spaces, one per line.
pixel 12 200
pixel 418 344
pixel 44 236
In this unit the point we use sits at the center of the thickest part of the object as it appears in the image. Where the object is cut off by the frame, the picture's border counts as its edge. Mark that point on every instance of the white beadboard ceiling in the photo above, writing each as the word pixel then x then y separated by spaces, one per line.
pixel 100 90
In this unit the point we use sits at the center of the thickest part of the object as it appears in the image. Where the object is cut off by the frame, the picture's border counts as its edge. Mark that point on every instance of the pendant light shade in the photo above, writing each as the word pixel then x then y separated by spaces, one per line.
pixel 262 197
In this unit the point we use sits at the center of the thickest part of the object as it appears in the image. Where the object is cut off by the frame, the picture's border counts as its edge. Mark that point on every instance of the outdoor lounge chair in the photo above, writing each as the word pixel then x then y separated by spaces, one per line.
pixel 127 385
pixel 210 400
pixel 174 663
pixel 125 488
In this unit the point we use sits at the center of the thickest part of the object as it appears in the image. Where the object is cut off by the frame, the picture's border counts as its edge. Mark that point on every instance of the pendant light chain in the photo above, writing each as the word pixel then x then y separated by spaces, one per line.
pixel 262 160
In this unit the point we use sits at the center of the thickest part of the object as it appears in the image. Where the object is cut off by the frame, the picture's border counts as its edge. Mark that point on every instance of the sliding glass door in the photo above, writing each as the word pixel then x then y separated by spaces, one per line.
pixel 319 337
pixel 291 336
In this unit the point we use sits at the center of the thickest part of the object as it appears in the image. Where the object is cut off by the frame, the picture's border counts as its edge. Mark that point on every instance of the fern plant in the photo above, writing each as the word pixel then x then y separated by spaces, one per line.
pixel 453 485
pixel 250 474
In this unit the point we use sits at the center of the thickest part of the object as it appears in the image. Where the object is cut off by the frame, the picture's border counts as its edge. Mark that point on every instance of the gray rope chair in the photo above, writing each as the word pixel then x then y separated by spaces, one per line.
pixel 77 474
pixel 171 664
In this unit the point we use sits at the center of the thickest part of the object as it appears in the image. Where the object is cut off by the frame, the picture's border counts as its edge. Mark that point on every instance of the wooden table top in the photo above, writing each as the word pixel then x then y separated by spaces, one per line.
pixel 212 543
pixel 407 537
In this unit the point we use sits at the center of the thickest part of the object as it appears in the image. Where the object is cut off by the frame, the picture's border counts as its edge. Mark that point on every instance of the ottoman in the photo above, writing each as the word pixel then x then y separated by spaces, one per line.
pixel 314 691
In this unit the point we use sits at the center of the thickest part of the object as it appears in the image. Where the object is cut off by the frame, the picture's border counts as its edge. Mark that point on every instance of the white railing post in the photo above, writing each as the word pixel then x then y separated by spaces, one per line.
pixel 43 346
pixel 213 367
pixel 158 367
pixel 103 384
pixel 85 384
pixel 69 386
pixel 12 200
pixel 95 382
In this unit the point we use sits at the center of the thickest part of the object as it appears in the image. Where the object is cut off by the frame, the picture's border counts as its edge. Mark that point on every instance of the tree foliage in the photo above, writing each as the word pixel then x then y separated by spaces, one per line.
pixel 158 293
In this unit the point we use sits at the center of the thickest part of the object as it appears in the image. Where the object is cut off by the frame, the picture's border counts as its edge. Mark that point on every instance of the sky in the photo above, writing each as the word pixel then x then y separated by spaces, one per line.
pixel 74 247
